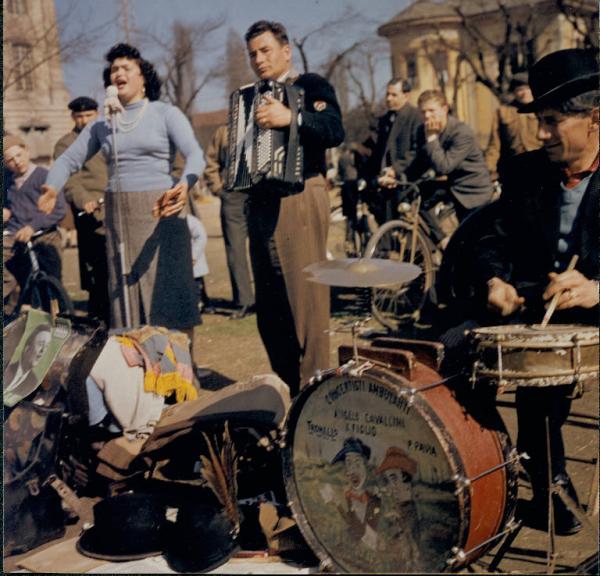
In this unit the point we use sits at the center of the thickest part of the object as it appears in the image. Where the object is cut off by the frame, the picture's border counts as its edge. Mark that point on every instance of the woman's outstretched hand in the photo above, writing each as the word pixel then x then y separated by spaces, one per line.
pixel 171 202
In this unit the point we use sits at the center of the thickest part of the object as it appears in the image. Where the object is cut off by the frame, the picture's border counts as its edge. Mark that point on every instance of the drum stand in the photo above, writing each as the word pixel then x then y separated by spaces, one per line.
pixel 572 506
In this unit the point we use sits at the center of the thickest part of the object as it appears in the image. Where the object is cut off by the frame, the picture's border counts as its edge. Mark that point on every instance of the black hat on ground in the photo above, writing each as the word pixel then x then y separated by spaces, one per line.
pixel 201 539
pixel 126 527
pixel 83 104
pixel 560 76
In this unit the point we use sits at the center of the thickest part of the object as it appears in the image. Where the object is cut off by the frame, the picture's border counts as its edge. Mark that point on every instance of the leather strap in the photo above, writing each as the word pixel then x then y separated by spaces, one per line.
pixel 70 498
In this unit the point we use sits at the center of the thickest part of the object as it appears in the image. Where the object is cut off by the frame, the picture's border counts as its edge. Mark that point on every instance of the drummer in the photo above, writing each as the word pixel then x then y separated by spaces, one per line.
pixel 548 213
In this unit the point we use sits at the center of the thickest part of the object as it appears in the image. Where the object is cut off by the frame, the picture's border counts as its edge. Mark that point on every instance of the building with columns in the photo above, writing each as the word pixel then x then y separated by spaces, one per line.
pixel 427 39
pixel 34 92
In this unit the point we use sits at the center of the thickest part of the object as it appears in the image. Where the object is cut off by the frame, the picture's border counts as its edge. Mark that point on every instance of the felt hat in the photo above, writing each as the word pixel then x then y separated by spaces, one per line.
pixel 126 527
pixel 354 445
pixel 396 458
pixel 83 104
pixel 201 539
pixel 560 76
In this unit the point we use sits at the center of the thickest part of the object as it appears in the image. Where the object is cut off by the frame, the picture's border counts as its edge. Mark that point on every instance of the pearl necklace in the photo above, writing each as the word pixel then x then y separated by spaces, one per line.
pixel 130 125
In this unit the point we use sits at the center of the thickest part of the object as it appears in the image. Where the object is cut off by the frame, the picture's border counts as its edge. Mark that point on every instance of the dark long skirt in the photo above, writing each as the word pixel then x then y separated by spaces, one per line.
pixel 158 263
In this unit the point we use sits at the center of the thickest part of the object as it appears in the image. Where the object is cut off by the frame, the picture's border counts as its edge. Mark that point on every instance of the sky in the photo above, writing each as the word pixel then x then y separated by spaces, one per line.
pixel 83 70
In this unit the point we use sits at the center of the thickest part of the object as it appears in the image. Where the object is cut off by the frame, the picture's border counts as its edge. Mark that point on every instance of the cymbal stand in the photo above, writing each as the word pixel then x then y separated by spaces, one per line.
pixel 572 506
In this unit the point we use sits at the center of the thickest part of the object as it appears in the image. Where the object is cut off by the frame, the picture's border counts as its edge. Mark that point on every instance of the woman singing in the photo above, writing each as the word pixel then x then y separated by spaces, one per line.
pixel 142 192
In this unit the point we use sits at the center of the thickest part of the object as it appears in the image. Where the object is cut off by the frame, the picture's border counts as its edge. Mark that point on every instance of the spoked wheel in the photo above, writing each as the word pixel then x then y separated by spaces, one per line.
pixel 398 305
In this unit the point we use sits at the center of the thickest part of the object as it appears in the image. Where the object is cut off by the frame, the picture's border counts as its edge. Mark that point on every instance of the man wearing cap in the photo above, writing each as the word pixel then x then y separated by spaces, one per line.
pixel 399 517
pixel 512 133
pixel 22 218
pixel 396 146
pixel 548 213
pixel 85 193
pixel 362 508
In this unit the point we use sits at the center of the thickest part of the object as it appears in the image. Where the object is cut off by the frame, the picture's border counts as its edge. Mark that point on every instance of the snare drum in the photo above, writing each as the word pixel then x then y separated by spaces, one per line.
pixel 384 474
pixel 534 356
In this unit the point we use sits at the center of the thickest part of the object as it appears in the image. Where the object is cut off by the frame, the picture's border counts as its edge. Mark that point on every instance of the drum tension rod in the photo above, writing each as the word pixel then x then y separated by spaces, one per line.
pixel 461 555
pixel 412 392
pixel 463 482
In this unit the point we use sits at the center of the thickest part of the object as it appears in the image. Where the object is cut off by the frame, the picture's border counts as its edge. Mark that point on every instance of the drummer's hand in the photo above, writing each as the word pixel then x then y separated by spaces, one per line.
pixel 47 201
pixel 503 297
pixel 171 202
pixel 577 290
pixel 273 114
pixel 6 214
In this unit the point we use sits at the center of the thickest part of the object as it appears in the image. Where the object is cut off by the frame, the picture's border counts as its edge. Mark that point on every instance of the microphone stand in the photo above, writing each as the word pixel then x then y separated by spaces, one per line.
pixel 121 246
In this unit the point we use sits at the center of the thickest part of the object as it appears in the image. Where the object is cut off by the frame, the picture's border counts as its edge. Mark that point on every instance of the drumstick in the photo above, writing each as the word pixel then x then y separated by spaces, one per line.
pixel 555 298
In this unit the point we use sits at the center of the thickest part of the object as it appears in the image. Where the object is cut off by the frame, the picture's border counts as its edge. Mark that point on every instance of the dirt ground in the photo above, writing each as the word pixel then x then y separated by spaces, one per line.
pixel 233 351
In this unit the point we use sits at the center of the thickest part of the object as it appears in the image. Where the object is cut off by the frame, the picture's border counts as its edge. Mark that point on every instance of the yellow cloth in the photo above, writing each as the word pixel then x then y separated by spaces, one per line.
pixel 165 358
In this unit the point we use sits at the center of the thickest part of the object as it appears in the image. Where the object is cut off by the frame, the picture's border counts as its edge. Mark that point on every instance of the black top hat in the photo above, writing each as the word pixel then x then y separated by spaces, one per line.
pixel 560 76
pixel 354 445
pixel 83 104
pixel 126 527
pixel 202 538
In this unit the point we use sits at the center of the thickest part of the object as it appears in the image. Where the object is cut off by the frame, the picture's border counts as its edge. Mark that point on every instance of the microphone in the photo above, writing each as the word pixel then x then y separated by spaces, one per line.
pixel 112 104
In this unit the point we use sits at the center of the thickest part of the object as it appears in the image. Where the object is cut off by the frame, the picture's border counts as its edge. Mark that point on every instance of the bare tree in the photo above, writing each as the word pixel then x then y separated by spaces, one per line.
pixel 332 27
pixel 183 78
pixel 237 69
pixel 583 16
pixel 494 59
pixel 70 36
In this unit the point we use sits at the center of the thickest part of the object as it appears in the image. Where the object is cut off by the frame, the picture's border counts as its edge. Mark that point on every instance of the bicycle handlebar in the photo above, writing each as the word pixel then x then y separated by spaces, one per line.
pixel 35 235
pixel 82 212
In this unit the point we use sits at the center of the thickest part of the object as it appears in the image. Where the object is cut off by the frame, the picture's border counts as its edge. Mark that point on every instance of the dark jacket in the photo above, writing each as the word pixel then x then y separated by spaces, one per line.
pixel 399 145
pixel 457 155
pixel 523 245
pixel 322 126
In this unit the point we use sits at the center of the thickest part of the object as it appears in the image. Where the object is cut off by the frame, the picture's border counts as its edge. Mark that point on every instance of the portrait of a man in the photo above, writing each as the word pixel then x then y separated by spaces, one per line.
pixel 19 377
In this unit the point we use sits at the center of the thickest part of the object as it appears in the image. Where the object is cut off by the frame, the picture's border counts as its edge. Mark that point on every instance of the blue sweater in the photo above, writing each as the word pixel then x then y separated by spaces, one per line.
pixel 145 153
pixel 23 204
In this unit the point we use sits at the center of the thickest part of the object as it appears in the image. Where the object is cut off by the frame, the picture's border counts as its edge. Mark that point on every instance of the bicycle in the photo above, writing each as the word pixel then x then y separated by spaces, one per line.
pixel 40 291
pixel 349 240
pixel 409 239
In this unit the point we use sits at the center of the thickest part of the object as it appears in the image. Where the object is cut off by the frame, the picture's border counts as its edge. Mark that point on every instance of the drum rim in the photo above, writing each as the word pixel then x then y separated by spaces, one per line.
pixel 572 335
pixel 455 462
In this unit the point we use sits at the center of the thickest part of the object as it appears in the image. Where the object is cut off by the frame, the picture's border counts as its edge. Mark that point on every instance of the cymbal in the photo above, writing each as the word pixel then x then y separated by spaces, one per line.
pixel 362 272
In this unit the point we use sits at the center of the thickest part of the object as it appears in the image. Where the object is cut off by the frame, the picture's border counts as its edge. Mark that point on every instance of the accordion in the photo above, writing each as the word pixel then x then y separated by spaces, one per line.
pixel 261 155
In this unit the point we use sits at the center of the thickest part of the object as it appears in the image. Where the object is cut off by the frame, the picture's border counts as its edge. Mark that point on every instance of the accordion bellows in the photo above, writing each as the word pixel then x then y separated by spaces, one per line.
pixel 261 155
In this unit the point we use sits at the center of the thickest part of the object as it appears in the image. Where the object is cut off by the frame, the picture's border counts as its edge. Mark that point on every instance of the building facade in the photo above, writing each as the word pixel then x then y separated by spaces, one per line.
pixel 34 92
pixel 430 45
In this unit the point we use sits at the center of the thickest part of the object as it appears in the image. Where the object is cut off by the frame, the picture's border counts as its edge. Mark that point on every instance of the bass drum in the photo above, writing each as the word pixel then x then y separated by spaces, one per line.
pixel 384 474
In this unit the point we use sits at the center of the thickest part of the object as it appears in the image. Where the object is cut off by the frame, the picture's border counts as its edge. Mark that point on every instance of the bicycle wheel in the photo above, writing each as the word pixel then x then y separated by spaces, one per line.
pixel 46 293
pixel 400 304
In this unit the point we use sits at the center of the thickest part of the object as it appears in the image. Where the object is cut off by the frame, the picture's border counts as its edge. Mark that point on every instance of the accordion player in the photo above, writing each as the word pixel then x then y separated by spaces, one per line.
pixel 262 155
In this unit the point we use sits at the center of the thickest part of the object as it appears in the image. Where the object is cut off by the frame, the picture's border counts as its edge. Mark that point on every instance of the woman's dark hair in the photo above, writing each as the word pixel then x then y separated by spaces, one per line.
pixel 151 80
